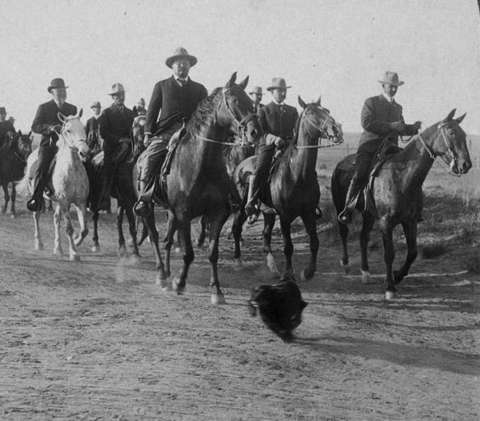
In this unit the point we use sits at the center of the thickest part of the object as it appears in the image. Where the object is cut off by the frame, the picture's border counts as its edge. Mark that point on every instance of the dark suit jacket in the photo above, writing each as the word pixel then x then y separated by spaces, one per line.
pixel 5 127
pixel 47 116
pixel 377 114
pixel 278 120
pixel 115 123
pixel 92 129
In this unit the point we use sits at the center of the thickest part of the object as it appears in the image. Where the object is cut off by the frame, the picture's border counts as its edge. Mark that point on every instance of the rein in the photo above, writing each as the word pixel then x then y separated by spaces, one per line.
pixel 317 146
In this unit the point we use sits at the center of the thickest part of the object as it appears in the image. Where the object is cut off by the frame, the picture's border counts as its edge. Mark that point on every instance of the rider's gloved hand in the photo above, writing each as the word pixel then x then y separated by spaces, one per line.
pixel 279 143
pixel 417 125
pixel 398 126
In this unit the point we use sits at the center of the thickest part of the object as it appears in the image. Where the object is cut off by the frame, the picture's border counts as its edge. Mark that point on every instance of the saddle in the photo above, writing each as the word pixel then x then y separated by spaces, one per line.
pixel 384 154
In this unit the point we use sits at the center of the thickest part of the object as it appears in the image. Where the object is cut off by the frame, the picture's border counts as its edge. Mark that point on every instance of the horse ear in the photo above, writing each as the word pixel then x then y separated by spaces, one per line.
pixel 460 119
pixel 232 80
pixel 319 101
pixel 30 134
pixel 80 113
pixel 450 115
pixel 301 102
pixel 61 117
pixel 243 84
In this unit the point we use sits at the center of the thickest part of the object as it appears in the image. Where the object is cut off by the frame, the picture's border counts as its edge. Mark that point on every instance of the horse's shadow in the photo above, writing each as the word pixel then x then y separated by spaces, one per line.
pixel 401 354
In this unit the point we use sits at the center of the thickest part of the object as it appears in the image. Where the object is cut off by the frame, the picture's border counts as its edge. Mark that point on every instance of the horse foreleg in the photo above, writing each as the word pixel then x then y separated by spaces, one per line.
pixel 81 215
pixel 203 231
pixel 309 220
pixel 132 228
pixel 214 235
pixel 57 245
pixel 122 250
pixel 149 221
pixel 367 225
pixel 6 196
pixel 287 247
pixel 178 284
pixel 268 223
pixel 389 256
pixel 344 262
pixel 144 234
pixel 96 244
pixel 72 250
pixel 169 239
pixel 410 231
pixel 36 225
pixel 237 226
pixel 13 197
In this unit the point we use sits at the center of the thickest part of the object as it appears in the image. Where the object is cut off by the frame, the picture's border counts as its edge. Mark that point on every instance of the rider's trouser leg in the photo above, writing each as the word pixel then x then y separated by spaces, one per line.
pixel 46 153
pixel 260 178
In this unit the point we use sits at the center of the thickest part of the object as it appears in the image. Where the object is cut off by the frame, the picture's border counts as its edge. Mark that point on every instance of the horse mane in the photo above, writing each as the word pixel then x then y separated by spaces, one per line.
pixel 204 111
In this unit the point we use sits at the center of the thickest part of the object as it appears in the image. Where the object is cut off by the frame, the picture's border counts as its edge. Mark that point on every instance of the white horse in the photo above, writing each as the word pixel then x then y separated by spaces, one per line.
pixel 69 181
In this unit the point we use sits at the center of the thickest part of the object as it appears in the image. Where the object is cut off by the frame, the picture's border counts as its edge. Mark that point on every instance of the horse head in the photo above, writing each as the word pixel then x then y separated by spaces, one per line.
pixel 320 121
pixel 237 110
pixel 73 133
pixel 24 144
pixel 450 143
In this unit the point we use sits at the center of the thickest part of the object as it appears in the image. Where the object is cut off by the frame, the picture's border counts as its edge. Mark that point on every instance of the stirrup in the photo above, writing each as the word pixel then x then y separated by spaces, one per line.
pixel 345 216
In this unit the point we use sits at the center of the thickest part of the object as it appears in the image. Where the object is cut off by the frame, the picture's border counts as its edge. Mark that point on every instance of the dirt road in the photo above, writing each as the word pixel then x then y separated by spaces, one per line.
pixel 97 339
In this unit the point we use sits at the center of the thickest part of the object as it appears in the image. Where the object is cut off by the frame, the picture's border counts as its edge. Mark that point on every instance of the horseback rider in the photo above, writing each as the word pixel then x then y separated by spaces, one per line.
pixel 382 123
pixel 256 95
pixel 278 123
pixel 115 129
pixel 140 109
pixel 5 126
pixel 173 101
pixel 92 129
pixel 47 123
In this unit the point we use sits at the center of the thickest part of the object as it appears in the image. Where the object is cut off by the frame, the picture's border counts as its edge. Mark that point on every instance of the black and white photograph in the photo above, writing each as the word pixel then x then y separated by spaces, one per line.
pixel 240 210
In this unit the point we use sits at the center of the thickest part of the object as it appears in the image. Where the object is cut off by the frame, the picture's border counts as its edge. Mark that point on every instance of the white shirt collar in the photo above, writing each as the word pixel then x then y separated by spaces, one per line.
pixel 278 103
pixel 177 79
pixel 389 99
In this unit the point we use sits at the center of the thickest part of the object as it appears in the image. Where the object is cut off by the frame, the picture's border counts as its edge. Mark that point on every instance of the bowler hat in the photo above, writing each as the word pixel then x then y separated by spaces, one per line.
pixel 180 52
pixel 57 83
pixel 95 104
pixel 116 89
pixel 391 78
pixel 256 90
pixel 278 83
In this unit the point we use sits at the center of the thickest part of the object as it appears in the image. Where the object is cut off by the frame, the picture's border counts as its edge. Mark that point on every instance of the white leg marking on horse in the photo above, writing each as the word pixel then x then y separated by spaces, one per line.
pixel 366 278
pixel 271 264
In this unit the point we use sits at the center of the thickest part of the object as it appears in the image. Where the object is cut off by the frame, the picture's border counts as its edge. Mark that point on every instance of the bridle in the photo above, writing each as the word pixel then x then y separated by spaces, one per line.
pixel 327 120
pixel 450 153
pixel 66 136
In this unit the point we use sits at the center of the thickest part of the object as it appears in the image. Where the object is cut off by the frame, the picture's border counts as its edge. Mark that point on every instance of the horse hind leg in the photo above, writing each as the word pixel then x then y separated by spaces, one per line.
pixel 13 197
pixel 179 284
pixel 57 244
pixel 6 196
pixel 37 235
pixel 410 231
pixel 96 244
pixel 122 250
pixel 268 223
pixel 237 226
pixel 309 220
pixel 132 229
pixel 72 250
pixel 149 222
pixel 81 213
pixel 169 240
pixel 389 256
pixel 367 226
pixel 344 261
pixel 287 247
pixel 203 232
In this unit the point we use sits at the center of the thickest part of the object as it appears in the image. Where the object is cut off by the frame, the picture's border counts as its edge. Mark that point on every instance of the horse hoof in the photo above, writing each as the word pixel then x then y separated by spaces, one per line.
pixel 95 248
pixel 389 295
pixel 179 289
pixel 345 267
pixel 272 266
pixel 366 279
pixel 74 258
pixel 217 299
pixel 163 284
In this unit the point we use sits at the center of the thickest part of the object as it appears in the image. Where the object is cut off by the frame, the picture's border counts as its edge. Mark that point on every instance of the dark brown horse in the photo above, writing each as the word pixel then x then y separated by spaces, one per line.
pixel 293 188
pixel 13 160
pixel 198 183
pixel 397 190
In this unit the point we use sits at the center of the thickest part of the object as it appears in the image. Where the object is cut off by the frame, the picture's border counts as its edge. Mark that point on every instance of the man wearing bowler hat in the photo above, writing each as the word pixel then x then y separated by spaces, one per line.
pixel 47 124
pixel 173 101
pixel 115 129
pixel 256 95
pixel 382 121
pixel 278 122
pixel 92 128
pixel 5 125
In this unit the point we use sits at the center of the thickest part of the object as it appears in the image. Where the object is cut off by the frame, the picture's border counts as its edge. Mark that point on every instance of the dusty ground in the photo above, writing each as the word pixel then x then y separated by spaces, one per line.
pixel 98 340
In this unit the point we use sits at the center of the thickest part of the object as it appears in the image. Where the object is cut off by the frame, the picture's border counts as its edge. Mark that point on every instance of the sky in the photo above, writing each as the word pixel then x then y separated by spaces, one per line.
pixel 335 49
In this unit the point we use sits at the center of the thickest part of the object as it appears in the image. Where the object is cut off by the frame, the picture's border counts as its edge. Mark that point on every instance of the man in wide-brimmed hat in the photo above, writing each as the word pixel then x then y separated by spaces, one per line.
pixel 5 125
pixel 382 121
pixel 173 101
pixel 256 95
pixel 46 123
pixel 278 122
pixel 115 129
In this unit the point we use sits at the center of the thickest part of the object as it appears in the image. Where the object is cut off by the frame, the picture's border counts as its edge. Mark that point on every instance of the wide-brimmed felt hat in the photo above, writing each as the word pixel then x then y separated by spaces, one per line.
pixel 95 104
pixel 278 83
pixel 256 90
pixel 117 88
pixel 391 78
pixel 57 83
pixel 180 52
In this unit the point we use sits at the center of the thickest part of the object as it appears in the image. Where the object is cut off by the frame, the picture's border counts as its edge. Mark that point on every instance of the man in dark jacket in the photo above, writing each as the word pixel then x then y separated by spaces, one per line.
pixel 382 121
pixel 277 119
pixel 116 129
pixel 47 124
pixel 92 129
pixel 5 126
pixel 173 101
